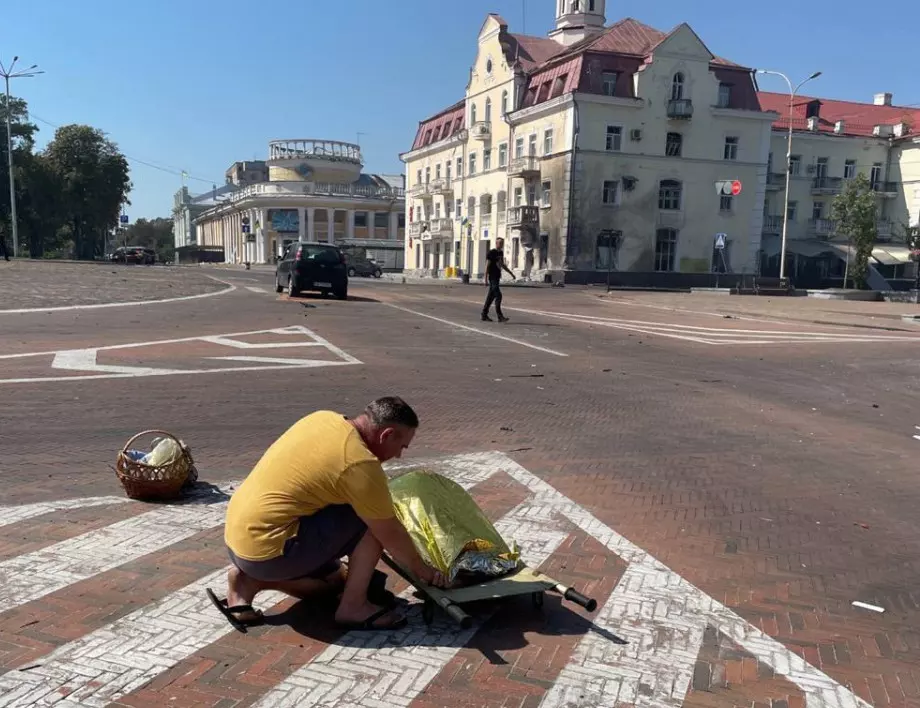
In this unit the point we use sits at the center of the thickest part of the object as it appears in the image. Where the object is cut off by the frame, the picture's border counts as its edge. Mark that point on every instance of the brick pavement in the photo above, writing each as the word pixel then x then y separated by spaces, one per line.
pixel 712 460
pixel 38 284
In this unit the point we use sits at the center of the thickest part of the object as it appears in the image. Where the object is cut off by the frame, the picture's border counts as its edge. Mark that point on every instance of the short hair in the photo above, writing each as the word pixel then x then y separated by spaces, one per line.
pixel 389 411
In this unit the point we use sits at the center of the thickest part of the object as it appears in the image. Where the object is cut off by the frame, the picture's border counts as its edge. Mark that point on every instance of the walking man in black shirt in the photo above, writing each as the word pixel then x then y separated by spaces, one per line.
pixel 495 264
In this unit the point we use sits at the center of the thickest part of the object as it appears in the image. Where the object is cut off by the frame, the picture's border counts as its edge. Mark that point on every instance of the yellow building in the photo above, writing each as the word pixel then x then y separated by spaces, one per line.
pixel 832 142
pixel 316 191
pixel 594 150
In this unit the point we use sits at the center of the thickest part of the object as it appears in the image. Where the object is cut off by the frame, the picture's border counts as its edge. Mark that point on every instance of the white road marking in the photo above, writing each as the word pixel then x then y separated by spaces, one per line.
pixel 360 671
pixel 15 514
pixel 120 657
pixel 65 308
pixel 720 335
pixel 656 611
pixel 85 359
pixel 478 331
pixel 253 289
pixel 33 575
pixel 104 665
pixel 867 606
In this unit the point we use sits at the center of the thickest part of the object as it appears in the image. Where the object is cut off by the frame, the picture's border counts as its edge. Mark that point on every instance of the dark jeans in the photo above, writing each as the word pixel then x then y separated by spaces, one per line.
pixel 3 252
pixel 495 295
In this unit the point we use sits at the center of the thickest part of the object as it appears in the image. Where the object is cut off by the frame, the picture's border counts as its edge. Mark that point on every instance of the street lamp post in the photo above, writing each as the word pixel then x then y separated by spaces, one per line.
pixel 7 74
pixel 792 93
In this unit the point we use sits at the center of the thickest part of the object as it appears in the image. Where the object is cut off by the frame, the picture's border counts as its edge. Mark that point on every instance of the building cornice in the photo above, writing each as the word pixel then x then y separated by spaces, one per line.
pixel 725 165
pixel 742 114
pixel 453 141
pixel 602 100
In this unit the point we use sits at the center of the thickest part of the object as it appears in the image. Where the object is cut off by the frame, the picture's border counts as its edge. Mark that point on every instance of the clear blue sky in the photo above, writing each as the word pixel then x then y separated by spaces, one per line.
pixel 197 85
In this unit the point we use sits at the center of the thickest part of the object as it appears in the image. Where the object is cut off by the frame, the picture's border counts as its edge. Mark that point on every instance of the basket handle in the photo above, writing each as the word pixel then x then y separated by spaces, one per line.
pixel 153 432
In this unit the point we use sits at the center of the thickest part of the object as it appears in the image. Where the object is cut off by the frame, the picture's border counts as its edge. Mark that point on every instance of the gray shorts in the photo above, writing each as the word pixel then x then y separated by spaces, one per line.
pixel 322 539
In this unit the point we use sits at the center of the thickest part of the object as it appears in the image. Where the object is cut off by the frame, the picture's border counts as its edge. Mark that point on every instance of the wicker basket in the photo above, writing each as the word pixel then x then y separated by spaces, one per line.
pixel 146 482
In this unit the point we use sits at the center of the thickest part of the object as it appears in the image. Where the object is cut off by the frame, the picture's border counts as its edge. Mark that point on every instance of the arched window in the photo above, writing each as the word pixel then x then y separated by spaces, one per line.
pixel 472 114
pixel 488 110
pixel 670 192
pixel 677 87
pixel 504 102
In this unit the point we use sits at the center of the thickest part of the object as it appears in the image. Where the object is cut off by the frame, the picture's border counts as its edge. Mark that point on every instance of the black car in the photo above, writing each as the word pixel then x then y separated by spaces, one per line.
pixel 312 266
pixel 134 254
pixel 363 267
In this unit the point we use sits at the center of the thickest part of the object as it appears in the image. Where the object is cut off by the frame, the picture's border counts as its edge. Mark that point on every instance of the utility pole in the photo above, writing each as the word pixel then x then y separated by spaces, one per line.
pixel 8 74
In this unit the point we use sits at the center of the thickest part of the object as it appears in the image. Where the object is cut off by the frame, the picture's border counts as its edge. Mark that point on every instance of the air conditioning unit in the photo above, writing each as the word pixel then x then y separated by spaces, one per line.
pixel 635 134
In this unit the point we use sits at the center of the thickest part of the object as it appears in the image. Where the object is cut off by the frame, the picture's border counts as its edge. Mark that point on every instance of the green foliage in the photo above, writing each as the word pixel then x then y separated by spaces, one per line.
pixel 855 211
pixel 69 194
pixel 154 233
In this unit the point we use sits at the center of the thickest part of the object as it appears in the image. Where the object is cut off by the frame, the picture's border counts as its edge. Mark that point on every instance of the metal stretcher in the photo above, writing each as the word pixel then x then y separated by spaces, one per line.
pixel 523 581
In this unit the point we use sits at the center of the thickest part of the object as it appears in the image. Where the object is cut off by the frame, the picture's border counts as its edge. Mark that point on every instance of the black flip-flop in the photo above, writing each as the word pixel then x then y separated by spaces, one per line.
pixel 377 592
pixel 369 626
pixel 230 613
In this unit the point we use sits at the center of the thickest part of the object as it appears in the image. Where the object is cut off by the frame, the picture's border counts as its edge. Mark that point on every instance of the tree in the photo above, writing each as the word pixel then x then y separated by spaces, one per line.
pixel 855 212
pixel 23 134
pixel 155 233
pixel 94 184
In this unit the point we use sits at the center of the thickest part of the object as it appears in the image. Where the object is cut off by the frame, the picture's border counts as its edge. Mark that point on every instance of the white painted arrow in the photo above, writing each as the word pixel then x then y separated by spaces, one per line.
pixel 85 360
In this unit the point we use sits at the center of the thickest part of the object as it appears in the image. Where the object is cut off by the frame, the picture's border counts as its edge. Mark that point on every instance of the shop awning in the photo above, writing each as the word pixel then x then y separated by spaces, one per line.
pixel 891 255
pixel 807 248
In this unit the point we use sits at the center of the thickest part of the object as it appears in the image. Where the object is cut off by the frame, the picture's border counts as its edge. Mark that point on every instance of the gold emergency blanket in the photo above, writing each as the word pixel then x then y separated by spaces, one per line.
pixel 449 530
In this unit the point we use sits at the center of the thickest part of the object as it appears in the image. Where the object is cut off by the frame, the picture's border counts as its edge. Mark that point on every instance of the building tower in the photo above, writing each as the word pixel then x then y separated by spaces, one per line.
pixel 577 19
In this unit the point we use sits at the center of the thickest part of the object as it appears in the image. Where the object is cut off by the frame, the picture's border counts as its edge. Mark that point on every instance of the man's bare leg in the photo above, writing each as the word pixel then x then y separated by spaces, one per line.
pixel 355 607
pixel 242 589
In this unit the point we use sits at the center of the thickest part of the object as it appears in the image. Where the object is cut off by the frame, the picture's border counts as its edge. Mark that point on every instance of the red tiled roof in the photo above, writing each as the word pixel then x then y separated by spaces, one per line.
pixel 620 47
pixel 446 123
pixel 858 118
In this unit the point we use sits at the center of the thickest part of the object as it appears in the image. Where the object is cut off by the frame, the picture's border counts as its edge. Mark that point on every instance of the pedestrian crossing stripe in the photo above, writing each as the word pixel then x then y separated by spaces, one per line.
pixel 659 615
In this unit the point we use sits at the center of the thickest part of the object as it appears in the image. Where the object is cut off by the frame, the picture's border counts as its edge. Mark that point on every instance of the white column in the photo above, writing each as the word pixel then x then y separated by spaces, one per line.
pixel 330 226
pixel 371 229
pixel 311 227
pixel 350 224
pixel 394 226
pixel 302 221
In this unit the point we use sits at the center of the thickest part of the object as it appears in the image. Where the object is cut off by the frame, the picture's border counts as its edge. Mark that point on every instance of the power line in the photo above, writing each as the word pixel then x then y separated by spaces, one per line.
pixel 169 169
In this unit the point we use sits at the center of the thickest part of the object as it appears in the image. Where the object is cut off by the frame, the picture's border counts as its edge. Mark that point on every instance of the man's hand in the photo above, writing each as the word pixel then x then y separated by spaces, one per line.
pixel 430 576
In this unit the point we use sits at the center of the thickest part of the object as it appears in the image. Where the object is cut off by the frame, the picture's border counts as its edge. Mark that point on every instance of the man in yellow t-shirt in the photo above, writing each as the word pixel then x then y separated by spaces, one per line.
pixel 319 494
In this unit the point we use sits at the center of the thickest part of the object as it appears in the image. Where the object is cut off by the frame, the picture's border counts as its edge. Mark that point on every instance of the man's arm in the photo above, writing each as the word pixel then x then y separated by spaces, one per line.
pixel 397 542
pixel 509 271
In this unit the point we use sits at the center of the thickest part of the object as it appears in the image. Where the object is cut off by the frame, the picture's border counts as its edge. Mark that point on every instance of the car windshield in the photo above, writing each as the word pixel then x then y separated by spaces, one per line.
pixel 319 253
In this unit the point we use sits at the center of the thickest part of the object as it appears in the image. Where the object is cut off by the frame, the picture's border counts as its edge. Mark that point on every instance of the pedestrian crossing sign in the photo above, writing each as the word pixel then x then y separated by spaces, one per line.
pixel 720 241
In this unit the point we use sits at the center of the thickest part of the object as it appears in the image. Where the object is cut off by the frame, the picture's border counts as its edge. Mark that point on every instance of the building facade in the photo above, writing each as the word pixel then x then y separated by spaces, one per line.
pixel 832 142
pixel 187 208
pixel 249 172
pixel 594 153
pixel 316 191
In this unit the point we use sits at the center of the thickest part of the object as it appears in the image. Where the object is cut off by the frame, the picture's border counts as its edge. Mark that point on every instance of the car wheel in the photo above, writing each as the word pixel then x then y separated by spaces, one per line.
pixel 292 289
pixel 279 288
pixel 351 272
pixel 378 273
pixel 341 294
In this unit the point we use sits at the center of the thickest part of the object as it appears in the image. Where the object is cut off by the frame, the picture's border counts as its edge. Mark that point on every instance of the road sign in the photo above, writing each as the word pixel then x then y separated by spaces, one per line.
pixel 728 187
pixel 123 219
pixel 245 221
pixel 246 228
pixel 720 241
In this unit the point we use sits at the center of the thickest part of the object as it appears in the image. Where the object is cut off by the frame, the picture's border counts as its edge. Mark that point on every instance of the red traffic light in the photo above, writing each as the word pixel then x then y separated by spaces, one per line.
pixel 736 188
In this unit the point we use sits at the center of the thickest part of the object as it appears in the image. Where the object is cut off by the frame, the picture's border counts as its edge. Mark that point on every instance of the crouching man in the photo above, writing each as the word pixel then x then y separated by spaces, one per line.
pixel 320 494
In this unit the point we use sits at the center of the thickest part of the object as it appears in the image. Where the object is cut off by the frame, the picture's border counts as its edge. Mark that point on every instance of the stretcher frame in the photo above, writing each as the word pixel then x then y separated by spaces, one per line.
pixel 522 581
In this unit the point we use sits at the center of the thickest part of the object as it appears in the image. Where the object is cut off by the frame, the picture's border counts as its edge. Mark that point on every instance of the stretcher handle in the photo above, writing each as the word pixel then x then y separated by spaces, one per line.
pixel 459 616
pixel 572 595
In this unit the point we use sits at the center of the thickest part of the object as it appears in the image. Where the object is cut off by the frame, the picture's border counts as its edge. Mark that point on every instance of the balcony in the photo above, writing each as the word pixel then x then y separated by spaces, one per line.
pixel 417 227
pixel 441 186
pixel 772 225
pixel 524 216
pixel 889 190
pixel 822 228
pixel 442 228
pixel 680 108
pixel 524 167
pixel 776 181
pixel 481 131
pixel 827 185
pixel 418 191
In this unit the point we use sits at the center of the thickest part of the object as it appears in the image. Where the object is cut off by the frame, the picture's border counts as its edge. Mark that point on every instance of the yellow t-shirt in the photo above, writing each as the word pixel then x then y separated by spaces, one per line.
pixel 321 460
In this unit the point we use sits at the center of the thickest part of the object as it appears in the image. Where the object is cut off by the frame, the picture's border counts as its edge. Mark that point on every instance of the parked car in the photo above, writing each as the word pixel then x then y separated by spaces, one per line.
pixel 312 266
pixel 364 267
pixel 134 254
